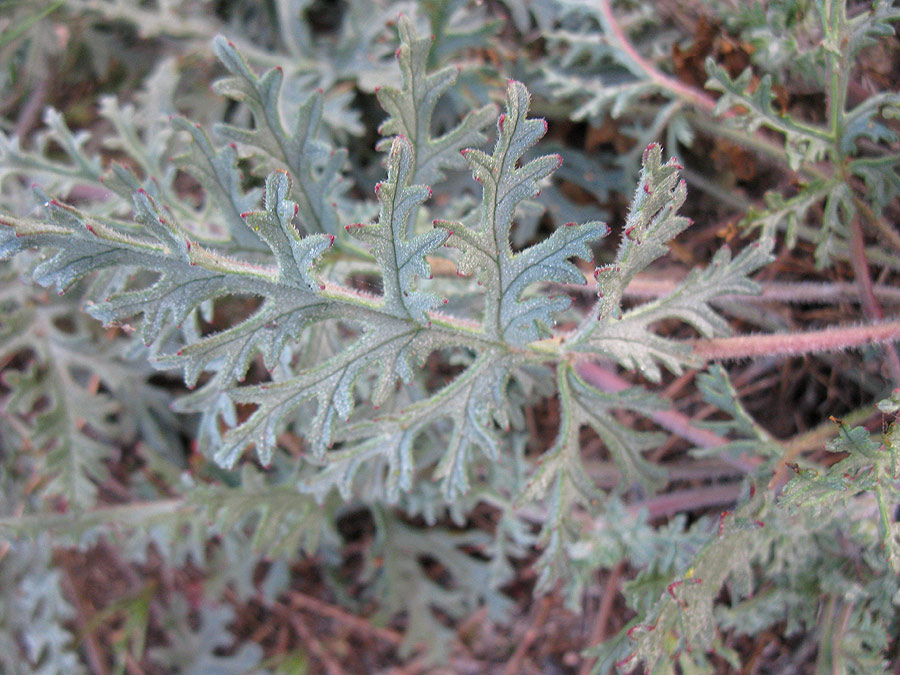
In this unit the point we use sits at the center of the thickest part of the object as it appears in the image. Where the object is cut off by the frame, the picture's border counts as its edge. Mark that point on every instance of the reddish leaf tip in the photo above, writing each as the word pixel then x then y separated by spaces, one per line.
pixel 624 661
pixel 671 588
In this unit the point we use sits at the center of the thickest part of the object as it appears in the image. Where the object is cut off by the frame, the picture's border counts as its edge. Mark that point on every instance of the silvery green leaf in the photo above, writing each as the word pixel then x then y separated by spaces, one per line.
pixel 57 175
pixel 803 142
pixel 509 314
pixel 216 170
pixel 34 611
pixel 561 478
pixel 314 165
pixel 294 254
pixel 282 520
pixel 386 453
pixel 628 336
pixel 473 403
pixel 330 385
pixel 411 108
pixel 195 648
pixel 400 257
pixel 230 352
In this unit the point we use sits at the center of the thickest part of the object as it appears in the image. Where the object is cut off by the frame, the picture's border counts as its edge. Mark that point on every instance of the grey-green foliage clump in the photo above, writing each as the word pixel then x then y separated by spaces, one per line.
pixel 856 139
pixel 299 311
pixel 287 254
pixel 32 612
pixel 607 63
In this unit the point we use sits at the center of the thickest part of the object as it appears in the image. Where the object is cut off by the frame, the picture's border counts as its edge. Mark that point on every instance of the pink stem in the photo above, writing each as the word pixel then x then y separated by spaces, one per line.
pixel 697 97
pixel 788 344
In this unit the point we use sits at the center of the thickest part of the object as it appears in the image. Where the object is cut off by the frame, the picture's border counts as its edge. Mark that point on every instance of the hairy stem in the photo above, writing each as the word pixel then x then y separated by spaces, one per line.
pixel 793 344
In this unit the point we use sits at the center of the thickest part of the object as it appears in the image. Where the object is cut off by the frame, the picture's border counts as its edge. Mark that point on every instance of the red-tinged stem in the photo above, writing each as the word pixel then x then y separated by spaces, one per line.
pixel 867 294
pixel 792 292
pixel 794 344
pixel 612 27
